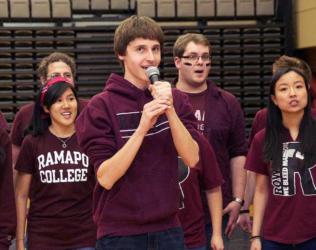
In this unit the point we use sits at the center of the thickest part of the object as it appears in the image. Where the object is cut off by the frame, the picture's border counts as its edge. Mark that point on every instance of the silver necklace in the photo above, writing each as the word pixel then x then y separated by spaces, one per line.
pixel 64 141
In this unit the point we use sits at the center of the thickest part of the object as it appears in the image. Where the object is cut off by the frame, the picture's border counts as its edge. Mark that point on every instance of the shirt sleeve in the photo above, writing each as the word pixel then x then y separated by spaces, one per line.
pixel 26 159
pixel 95 133
pixel 18 127
pixel 258 123
pixel 237 140
pixel 185 112
pixel 3 122
pixel 211 176
pixel 255 161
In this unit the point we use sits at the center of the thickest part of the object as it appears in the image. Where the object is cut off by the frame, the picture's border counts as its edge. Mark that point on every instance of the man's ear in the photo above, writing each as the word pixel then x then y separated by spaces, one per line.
pixel 121 57
pixel 177 61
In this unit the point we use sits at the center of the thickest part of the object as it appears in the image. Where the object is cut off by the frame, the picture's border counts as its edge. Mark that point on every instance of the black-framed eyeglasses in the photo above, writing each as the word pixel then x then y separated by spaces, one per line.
pixel 194 58
pixel 57 74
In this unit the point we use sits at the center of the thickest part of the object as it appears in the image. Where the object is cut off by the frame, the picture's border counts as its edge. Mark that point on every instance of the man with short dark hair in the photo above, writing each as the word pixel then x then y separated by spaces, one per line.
pixel 133 132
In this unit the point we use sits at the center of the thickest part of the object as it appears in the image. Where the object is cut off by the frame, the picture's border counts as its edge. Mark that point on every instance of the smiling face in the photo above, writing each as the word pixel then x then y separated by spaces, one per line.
pixel 64 111
pixel 140 54
pixel 194 66
pixel 290 93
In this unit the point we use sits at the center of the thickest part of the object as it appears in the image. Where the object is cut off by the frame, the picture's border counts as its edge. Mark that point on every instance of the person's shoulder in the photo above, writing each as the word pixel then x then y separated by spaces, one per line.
pixel 27 107
pixel 25 112
pixel 83 101
pixel 261 113
pixel 4 135
pixel 260 135
pixel 98 99
pixel 31 138
pixel 217 91
pixel 3 122
pixel 227 95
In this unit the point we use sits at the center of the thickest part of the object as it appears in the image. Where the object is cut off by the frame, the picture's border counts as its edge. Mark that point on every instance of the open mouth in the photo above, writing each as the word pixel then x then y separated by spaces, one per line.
pixel 294 103
pixel 199 71
pixel 66 115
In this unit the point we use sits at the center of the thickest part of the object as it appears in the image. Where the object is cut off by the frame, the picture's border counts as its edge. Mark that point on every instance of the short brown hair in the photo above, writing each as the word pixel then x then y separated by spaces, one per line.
pixel 292 62
pixel 183 40
pixel 55 57
pixel 136 27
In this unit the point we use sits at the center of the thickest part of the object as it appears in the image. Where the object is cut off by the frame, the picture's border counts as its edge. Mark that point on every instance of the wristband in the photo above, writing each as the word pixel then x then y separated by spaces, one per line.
pixel 255 237
pixel 238 200
pixel 244 211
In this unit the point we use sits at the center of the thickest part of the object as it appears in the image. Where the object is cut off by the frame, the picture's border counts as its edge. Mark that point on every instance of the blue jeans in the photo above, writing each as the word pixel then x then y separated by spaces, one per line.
pixel 272 245
pixel 164 240
pixel 197 248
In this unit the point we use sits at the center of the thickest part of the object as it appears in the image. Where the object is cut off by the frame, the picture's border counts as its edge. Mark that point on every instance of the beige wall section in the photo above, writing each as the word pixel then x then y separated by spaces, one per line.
pixel 305 15
pixel 302 5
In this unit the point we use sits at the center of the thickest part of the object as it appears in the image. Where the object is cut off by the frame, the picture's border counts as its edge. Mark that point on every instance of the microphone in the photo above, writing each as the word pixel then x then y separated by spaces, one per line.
pixel 153 74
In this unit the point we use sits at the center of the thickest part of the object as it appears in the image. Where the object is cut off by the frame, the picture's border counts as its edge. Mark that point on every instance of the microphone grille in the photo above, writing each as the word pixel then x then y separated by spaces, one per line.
pixel 150 71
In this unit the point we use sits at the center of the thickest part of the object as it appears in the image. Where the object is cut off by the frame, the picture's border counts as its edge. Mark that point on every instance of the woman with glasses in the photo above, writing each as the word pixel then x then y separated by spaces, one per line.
pixel 56 175
pixel 283 158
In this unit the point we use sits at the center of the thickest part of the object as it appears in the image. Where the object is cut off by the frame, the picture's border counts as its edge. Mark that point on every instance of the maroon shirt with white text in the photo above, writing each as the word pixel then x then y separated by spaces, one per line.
pixel 290 214
pixel 224 128
pixel 60 214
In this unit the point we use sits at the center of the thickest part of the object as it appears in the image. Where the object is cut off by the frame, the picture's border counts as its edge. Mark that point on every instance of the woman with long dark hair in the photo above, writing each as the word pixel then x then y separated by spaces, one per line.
pixel 283 157
pixel 55 174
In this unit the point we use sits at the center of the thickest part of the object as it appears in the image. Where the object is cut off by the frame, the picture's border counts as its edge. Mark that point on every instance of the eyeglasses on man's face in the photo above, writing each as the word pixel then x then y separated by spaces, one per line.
pixel 67 75
pixel 194 58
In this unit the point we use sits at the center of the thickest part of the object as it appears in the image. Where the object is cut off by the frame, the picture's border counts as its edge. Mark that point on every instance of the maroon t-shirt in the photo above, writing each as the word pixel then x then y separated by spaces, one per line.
pixel 290 214
pixel 23 118
pixel 224 128
pixel 3 122
pixel 7 204
pixel 193 184
pixel 198 102
pixel 260 121
pixel 60 214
